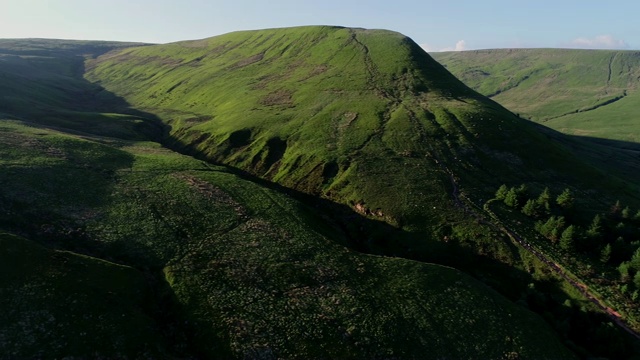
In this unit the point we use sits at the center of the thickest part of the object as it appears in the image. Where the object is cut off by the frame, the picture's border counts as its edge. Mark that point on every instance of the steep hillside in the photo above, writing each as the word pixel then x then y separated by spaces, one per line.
pixel 125 249
pixel 581 92
pixel 365 118
pixel 43 79
pixel 327 110
pixel 332 146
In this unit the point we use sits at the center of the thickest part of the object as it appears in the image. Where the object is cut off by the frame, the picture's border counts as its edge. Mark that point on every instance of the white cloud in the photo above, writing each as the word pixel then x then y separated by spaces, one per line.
pixel 460 46
pixel 598 42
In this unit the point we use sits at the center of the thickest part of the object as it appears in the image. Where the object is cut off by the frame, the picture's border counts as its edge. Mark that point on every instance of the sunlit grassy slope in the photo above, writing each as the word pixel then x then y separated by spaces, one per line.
pixel 125 249
pixel 582 92
pixel 363 117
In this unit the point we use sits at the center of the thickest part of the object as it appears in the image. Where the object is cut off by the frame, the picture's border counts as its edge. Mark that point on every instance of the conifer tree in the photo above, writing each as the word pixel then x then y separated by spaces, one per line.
pixel 544 201
pixel 635 260
pixel 595 229
pixel 636 280
pixel 544 197
pixel 626 213
pixel 624 271
pixel 605 254
pixel 511 199
pixel 502 191
pixel 566 199
pixel 567 238
pixel 552 228
pixel 522 190
pixel 530 208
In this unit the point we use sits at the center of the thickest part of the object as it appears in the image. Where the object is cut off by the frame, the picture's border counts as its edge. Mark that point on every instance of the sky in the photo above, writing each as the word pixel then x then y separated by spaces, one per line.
pixel 440 25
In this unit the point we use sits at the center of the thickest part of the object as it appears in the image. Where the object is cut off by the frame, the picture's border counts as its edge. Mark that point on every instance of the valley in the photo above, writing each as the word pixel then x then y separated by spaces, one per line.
pixel 309 192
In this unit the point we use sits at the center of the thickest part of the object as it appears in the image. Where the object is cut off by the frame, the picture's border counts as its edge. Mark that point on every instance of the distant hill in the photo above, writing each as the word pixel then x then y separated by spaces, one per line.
pixel 60 48
pixel 313 192
pixel 581 92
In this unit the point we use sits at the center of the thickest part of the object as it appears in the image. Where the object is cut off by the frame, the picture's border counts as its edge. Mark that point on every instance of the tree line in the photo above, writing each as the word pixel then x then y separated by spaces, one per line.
pixel 611 237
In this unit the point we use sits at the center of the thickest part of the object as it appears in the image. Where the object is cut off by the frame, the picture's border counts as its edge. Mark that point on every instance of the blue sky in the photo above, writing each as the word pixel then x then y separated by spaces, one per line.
pixel 436 25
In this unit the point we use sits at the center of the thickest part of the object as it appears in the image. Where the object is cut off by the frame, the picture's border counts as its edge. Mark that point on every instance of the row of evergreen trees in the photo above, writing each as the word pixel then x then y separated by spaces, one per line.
pixel 612 237
pixel 519 198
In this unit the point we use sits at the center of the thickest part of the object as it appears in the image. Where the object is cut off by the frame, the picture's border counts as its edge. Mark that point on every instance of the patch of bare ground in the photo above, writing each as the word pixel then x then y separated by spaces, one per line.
pixel 264 81
pixel 361 208
pixel 248 61
pixel 198 119
pixel 317 70
pixel 278 98
pixel 213 193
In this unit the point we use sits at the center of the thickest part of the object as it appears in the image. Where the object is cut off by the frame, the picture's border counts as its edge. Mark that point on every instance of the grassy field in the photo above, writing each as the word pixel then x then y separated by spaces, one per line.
pixel 294 193
pixel 253 272
pixel 579 92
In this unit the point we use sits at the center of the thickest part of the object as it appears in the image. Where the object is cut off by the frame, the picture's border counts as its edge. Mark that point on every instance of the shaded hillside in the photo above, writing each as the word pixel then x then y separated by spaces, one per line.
pixel 42 79
pixel 582 92
pixel 215 265
pixel 57 303
pixel 248 271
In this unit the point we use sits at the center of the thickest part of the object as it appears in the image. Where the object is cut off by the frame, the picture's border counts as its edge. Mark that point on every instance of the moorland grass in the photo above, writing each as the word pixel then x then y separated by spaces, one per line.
pixel 249 267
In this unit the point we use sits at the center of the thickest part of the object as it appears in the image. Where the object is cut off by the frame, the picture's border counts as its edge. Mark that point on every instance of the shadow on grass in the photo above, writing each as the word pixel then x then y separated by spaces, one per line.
pixel 616 158
pixel 366 235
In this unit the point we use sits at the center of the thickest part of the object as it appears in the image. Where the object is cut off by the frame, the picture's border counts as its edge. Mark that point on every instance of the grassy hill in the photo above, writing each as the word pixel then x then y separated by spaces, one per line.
pixel 324 110
pixel 588 94
pixel 225 267
pixel 581 92
pixel 332 146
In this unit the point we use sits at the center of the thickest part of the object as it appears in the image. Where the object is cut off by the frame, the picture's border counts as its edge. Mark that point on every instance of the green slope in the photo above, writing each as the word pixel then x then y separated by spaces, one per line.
pixel 325 110
pixel 366 119
pixel 250 270
pixel 581 92
pixel 58 304
pixel 224 267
